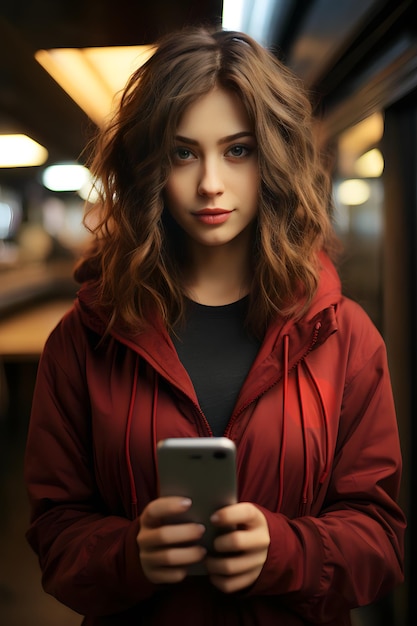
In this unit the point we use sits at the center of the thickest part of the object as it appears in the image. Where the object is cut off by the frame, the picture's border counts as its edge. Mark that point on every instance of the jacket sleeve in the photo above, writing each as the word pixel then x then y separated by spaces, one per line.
pixel 351 553
pixel 89 559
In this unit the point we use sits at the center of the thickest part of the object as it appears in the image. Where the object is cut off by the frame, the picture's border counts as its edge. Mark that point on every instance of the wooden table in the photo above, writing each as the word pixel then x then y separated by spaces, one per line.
pixel 23 285
pixel 23 334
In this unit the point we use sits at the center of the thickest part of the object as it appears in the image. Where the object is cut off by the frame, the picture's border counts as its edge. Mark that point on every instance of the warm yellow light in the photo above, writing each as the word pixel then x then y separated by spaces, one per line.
pixel 353 192
pixel 65 177
pixel 94 77
pixel 361 136
pixel 19 150
pixel 370 164
pixel 357 140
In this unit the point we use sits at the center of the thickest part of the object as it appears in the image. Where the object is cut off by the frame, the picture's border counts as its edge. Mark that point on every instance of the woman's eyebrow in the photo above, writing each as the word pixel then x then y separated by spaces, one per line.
pixel 227 139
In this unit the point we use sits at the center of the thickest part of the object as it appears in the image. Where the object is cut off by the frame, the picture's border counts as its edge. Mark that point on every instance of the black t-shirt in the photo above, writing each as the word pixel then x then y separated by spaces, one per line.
pixel 217 353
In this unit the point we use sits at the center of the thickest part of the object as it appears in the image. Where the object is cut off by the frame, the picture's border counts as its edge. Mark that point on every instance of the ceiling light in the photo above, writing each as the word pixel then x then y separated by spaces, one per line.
pixel 361 136
pixel 356 141
pixel 353 192
pixel 94 77
pixel 65 177
pixel 21 151
pixel 370 164
pixel 232 18
pixel 254 18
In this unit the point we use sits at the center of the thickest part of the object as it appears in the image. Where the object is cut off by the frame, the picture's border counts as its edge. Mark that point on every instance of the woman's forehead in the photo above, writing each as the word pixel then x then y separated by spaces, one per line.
pixel 220 111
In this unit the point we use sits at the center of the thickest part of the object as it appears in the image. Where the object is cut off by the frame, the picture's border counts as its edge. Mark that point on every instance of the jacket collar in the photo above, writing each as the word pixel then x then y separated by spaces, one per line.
pixel 156 347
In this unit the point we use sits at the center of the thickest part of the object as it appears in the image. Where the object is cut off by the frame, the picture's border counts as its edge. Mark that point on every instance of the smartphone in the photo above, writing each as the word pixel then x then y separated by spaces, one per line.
pixel 202 469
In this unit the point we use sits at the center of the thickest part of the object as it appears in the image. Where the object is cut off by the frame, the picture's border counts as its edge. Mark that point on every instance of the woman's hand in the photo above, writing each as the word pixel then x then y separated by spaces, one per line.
pixel 241 553
pixel 166 550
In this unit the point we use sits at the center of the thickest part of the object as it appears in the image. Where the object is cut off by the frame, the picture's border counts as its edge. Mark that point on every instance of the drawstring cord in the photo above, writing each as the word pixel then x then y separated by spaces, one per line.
pixel 326 425
pixel 305 444
pixel 133 496
pixel 153 426
pixel 132 484
pixel 284 421
pixel 303 421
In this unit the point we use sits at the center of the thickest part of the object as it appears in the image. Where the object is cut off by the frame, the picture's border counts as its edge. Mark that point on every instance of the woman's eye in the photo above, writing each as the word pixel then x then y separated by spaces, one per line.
pixel 182 154
pixel 238 151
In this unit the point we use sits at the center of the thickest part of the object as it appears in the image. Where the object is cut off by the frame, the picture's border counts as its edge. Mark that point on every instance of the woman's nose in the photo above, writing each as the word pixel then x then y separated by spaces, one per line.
pixel 211 180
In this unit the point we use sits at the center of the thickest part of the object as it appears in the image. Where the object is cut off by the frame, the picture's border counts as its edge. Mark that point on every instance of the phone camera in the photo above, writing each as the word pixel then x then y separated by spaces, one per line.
pixel 219 454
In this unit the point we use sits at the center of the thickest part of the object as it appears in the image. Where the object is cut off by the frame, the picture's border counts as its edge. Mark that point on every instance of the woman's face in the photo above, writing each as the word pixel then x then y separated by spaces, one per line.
pixel 212 189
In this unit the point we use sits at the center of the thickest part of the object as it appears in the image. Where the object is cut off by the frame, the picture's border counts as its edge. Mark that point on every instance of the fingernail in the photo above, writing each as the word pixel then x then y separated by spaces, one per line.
pixel 186 502
pixel 214 518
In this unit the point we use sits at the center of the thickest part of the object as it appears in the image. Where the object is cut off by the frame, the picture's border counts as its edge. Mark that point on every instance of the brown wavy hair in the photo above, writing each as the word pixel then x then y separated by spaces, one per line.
pixel 137 251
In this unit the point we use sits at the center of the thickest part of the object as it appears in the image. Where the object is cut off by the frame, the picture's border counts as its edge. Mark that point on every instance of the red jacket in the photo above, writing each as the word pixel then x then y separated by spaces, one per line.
pixel 318 453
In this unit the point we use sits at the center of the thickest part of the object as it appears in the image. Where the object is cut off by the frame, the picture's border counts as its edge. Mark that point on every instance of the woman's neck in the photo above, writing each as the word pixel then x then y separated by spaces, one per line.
pixel 217 275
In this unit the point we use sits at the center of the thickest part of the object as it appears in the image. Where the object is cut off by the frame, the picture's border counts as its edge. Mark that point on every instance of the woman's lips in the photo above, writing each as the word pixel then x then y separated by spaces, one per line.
pixel 212 216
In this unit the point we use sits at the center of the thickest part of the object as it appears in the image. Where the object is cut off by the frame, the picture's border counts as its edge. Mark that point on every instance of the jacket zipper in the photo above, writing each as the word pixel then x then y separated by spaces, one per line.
pixel 201 415
pixel 263 391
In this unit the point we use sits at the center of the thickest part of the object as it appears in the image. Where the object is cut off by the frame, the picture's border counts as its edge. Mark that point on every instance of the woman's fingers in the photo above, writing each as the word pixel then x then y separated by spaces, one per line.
pixel 174 557
pixel 242 540
pixel 242 513
pixel 235 565
pixel 167 548
pixel 235 572
pixel 170 565
pixel 167 563
pixel 251 532
pixel 153 538
pixel 161 509
pixel 241 553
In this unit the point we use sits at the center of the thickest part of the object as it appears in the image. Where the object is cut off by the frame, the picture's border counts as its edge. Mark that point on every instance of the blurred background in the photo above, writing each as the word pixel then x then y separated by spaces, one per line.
pixel 62 64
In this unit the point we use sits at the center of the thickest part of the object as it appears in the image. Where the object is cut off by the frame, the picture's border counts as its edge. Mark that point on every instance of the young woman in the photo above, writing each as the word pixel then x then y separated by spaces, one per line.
pixel 210 306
